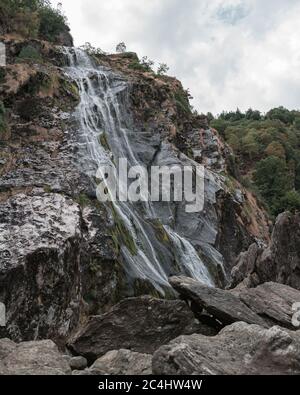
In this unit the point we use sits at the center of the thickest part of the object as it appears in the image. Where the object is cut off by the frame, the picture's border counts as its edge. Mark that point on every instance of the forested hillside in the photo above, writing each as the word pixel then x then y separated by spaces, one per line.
pixel 34 19
pixel 267 150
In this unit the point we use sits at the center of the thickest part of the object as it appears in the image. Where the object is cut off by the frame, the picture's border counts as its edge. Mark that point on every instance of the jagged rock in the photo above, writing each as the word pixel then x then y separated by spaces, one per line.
pixel 123 362
pixel 280 262
pixel 39 268
pixel 271 301
pixel 139 324
pixel 224 306
pixel 31 358
pixel 240 349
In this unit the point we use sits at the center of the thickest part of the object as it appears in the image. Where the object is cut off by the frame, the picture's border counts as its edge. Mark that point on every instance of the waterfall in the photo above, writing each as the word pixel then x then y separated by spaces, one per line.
pixel 103 112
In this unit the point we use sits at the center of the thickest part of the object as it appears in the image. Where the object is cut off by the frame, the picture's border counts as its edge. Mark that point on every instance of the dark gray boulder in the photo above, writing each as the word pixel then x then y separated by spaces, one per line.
pixel 223 305
pixel 272 301
pixel 140 324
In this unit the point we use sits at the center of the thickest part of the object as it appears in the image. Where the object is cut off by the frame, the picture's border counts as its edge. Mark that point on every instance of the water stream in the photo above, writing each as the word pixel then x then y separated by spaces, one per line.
pixel 103 114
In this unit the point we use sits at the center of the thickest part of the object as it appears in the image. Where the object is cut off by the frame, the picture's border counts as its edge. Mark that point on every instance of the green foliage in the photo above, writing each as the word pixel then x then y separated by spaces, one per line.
pixel 290 202
pixel 182 102
pixel 83 200
pixel 33 18
pixel 29 53
pixel 163 68
pixel 52 22
pixel 267 148
pixel 273 181
pixel 281 114
pixel 91 50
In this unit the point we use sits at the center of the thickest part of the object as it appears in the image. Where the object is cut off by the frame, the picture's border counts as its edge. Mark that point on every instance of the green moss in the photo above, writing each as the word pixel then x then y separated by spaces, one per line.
pixel 83 200
pixel 103 141
pixel 160 232
pixel 71 88
pixel 121 236
pixel 47 189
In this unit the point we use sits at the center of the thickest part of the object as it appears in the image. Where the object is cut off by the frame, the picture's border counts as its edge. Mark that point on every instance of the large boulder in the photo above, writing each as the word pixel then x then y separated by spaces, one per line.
pixel 240 349
pixel 223 305
pixel 272 301
pixel 140 324
pixel 40 241
pixel 279 262
pixel 123 362
pixel 32 358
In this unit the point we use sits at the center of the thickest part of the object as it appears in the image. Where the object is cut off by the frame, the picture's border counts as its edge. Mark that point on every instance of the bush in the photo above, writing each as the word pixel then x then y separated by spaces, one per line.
pixel 163 68
pixel 290 202
pixel 52 23
pixel 33 18
pixel 29 53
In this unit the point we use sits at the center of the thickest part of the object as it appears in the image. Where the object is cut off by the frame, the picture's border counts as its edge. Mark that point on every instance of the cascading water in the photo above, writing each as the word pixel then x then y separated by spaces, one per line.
pixel 103 114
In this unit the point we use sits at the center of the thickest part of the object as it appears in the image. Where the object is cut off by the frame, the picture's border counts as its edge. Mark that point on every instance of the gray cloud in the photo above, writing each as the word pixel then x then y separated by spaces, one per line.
pixel 229 53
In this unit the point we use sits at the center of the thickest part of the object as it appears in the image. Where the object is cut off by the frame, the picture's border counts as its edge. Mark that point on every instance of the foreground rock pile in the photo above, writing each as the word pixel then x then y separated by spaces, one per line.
pixel 241 331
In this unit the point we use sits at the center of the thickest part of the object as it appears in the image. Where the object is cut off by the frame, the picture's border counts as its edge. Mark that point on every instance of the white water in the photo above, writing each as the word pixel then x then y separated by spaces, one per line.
pixel 102 110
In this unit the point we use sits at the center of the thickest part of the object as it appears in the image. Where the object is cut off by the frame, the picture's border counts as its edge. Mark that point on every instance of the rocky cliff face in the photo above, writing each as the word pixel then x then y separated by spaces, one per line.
pixel 74 270
pixel 59 258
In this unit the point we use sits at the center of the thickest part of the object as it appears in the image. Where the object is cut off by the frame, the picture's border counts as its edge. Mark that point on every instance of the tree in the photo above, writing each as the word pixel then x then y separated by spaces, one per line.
pixel 253 115
pixel 273 181
pixel 121 47
pixel 275 149
pixel 147 63
pixel 290 202
pixel 163 68
pixel 282 114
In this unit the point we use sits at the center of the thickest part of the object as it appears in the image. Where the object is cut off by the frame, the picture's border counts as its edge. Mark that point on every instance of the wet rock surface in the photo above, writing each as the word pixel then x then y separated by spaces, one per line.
pixel 138 324
pixel 240 349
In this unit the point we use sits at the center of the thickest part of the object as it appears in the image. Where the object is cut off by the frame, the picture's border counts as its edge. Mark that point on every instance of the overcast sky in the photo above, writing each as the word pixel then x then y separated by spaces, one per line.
pixel 229 53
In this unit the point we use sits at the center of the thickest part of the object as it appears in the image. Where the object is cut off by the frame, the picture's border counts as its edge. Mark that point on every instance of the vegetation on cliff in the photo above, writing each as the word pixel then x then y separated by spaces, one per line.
pixel 32 18
pixel 267 148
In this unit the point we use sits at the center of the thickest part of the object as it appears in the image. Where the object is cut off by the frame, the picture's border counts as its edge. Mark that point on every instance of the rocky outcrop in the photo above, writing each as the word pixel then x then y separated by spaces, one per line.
pixel 222 305
pixel 39 269
pixel 280 262
pixel 138 324
pixel 271 301
pixel 32 358
pixel 240 349
pixel 266 305
pixel 122 362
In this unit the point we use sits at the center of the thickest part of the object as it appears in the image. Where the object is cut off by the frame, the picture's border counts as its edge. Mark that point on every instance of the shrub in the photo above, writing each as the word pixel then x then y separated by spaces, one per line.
pixel 29 53
pixel 52 22
pixel 163 68
pixel 290 202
